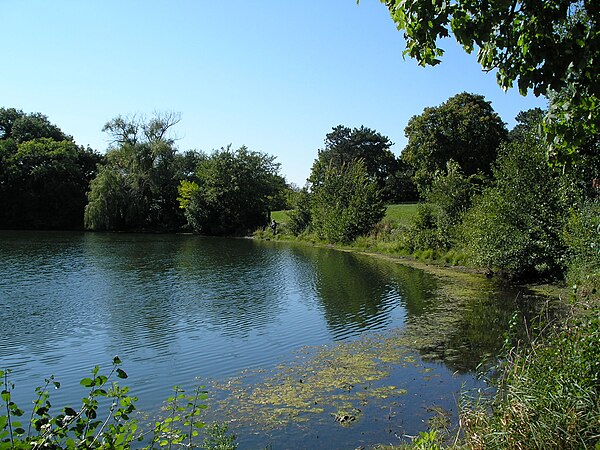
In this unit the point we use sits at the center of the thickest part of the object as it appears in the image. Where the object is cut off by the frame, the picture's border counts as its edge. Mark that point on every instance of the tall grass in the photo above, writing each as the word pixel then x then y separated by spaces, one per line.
pixel 548 394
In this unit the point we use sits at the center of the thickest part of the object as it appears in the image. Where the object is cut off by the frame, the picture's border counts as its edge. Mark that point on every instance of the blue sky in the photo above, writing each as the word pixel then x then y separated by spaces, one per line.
pixel 273 75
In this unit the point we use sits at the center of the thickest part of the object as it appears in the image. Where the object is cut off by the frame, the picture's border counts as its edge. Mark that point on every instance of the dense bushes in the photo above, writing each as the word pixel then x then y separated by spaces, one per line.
pixel 516 224
pixel 232 193
pixel 346 204
pixel 582 237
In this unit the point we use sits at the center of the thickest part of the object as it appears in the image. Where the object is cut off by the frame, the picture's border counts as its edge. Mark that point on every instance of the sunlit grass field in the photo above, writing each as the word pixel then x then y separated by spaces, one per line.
pixel 401 214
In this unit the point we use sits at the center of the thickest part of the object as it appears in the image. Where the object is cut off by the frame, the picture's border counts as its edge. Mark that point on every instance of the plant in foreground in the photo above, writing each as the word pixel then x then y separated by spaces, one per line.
pixel 105 419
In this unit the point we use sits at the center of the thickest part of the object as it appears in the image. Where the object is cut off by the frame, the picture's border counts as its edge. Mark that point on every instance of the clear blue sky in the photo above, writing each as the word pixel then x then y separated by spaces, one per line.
pixel 273 75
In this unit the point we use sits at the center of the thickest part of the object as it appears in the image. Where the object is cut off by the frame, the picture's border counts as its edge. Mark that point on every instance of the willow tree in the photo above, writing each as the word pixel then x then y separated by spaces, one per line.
pixel 137 189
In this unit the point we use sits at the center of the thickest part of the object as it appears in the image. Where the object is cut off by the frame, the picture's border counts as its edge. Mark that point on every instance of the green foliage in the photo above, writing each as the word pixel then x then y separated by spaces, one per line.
pixel 549 396
pixel 234 194
pixel 85 427
pixel 450 195
pixel 20 127
pixel 543 46
pixel 344 145
pixel 218 439
pixel 435 226
pixel 346 204
pixel 137 188
pixel 465 129
pixel 300 216
pixel 583 242
pixel 105 419
pixel 516 224
pixel 43 183
pixel 428 440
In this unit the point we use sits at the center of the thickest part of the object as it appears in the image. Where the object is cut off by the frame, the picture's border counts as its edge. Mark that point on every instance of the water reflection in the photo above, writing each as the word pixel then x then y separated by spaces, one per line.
pixel 180 306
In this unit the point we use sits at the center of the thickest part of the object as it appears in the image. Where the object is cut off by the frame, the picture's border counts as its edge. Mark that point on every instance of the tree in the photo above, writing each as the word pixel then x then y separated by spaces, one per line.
pixel 544 46
pixel 44 175
pixel 465 129
pixel 138 187
pixel 346 204
pixel 344 145
pixel 43 183
pixel 233 192
pixel 21 127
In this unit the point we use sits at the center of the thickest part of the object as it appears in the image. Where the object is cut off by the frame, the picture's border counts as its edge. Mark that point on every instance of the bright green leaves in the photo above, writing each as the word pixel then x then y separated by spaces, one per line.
pixel 92 427
pixel 544 47
pixel 346 204
pixel 187 190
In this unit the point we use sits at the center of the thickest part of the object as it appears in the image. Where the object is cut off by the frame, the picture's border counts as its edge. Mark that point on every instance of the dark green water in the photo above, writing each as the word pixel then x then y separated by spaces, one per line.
pixel 180 307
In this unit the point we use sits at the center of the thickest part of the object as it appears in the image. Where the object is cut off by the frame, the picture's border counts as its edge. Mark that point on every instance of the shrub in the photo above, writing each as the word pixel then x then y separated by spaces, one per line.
pixel 300 216
pixel 346 204
pixel 516 224
pixel 582 237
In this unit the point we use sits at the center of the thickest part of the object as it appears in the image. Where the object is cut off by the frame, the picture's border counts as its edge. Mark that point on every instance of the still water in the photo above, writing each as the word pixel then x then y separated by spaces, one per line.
pixel 177 308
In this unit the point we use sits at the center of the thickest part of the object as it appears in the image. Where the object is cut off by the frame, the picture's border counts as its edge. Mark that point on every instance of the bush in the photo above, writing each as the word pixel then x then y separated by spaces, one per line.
pixel 346 204
pixel 300 216
pixel 583 242
pixel 516 224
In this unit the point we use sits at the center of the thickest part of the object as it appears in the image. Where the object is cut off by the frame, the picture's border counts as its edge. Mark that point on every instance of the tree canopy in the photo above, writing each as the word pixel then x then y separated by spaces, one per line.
pixel 344 145
pixel 233 192
pixel 21 127
pixel 137 188
pixel 44 175
pixel 545 46
pixel 465 129
pixel 43 183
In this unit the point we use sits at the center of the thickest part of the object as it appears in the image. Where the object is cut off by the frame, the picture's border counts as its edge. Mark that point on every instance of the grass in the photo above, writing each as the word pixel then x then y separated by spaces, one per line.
pixel 280 217
pixel 401 214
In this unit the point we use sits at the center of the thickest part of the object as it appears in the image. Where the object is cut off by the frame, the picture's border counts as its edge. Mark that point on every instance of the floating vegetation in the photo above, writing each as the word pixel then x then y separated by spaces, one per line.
pixel 465 319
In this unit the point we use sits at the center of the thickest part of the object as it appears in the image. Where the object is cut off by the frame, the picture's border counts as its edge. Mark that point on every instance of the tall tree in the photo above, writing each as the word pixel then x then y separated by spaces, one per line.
pixel 138 187
pixel 344 145
pixel 44 175
pixel 43 183
pixel 233 193
pixel 543 46
pixel 465 129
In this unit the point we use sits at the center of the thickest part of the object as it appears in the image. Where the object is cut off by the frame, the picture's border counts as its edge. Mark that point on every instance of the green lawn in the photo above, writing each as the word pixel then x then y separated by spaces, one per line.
pixel 402 214
pixel 280 216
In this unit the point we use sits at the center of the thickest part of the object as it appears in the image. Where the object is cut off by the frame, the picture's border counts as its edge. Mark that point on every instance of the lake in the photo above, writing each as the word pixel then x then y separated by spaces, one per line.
pixel 241 314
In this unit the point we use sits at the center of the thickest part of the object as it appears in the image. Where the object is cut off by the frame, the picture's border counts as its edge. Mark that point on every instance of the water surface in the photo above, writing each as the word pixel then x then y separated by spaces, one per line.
pixel 178 307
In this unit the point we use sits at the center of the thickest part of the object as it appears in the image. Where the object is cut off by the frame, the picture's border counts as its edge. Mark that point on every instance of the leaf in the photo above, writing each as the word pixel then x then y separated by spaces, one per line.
pixel 87 382
pixel 121 374
pixel 5 395
pixel 116 360
pixel 70 411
